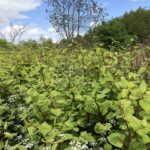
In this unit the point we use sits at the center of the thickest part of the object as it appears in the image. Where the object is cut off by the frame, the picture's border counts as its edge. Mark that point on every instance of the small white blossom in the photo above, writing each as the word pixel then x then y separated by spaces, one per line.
pixel 72 143
pixel 19 137
pixel 61 135
pixel 47 148
pixel 84 147
pixel 25 141
pixel 93 144
pixel 29 145
pixel 21 108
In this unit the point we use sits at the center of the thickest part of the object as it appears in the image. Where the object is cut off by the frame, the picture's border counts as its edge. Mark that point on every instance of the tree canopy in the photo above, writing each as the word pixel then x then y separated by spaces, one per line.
pixel 123 30
pixel 71 17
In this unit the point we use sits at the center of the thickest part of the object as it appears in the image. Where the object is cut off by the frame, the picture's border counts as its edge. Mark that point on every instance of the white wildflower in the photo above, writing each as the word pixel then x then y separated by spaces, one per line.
pixel 93 144
pixel 29 145
pixel 61 135
pixel 47 148
pixel 84 147
pixel 72 143
pixel 19 137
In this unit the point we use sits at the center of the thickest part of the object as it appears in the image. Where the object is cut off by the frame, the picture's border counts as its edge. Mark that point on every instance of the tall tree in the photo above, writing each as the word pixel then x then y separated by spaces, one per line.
pixel 71 17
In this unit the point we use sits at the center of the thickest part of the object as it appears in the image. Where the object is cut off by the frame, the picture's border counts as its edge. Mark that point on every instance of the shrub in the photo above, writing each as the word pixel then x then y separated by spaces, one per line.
pixel 75 100
pixel 138 23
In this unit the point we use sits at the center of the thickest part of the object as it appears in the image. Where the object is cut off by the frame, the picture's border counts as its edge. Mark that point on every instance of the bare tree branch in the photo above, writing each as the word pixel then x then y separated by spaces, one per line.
pixel 16 33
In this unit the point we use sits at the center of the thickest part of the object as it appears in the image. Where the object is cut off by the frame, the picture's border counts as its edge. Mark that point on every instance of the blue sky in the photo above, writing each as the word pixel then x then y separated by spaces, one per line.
pixel 32 13
pixel 114 8
pixel 119 7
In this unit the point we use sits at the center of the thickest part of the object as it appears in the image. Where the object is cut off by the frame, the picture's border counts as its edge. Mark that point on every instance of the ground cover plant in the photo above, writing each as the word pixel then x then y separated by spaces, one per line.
pixel 75 100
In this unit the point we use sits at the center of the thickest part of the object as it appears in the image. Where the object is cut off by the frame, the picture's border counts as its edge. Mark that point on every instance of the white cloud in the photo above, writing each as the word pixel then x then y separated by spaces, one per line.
pixel 35 32
pixel 54 35
pixel 32 32
pixel 15 9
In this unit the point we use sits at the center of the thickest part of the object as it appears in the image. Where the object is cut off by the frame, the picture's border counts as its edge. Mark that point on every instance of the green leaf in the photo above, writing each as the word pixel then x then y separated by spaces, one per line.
pixel 79 97
pixel 56 112
pixel 68 125
pixel 87 136
pixel 131 85
pixel 145 104
pixel 55 93
pixel 103 70
pixel 50 137
pixel 146 139
pixel 107 147
pixel 31 130
pixel 100 128
pixel 62 102
pixel 125 104
pixel 144 123
pixel 8 135
pixel 143 87
pixel 116 139
pixel 133 122
pixel 5 125
pixel 45 128
pixel 64 138
pixel 124 93
pixel 124 82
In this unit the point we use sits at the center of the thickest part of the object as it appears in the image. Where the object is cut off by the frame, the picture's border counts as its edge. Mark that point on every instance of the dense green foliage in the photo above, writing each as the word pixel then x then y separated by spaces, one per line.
pixel 64 97
pixel 67 100
pixel 123 31
pixel 111 34
pixel 4 45
pixel 138 23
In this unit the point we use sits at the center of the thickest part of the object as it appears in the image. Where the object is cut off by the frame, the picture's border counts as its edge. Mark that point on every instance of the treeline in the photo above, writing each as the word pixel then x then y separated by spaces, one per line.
pixel 118 33
pixel 131 28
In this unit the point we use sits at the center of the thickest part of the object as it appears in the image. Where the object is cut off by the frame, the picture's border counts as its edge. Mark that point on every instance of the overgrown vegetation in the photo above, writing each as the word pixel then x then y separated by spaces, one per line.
pixel 81 99
pixel 84 93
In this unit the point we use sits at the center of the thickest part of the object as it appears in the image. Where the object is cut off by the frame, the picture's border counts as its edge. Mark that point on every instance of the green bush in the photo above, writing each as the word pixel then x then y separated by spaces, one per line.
pixel 4 45
pixel 112 34
pixel 121 32
pixel 138 23
pixel 81 100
